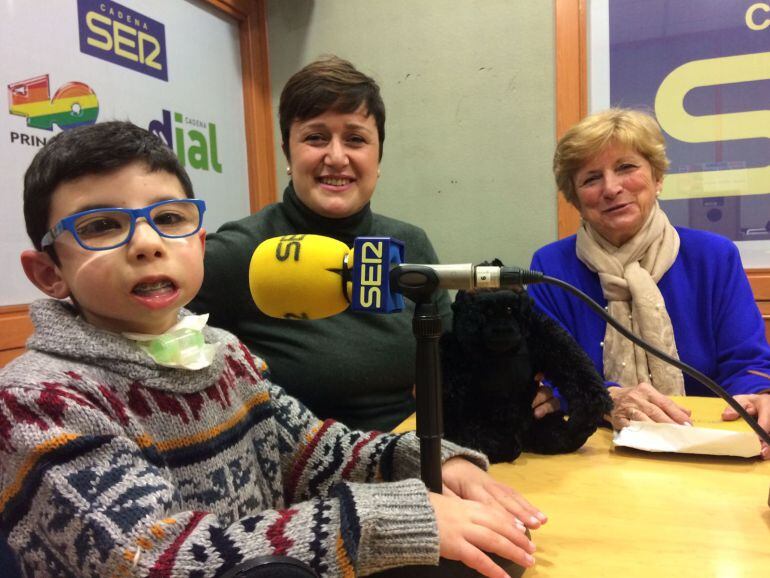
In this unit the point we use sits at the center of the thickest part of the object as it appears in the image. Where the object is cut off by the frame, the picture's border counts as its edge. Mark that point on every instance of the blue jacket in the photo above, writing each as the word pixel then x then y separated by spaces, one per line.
pixel 717 325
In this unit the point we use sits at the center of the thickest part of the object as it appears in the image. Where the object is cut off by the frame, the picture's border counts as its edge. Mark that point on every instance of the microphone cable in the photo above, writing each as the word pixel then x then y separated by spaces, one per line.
pixel 527 276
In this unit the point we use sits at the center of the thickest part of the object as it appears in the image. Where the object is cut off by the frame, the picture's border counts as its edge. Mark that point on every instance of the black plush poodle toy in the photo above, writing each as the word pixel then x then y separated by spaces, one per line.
pixel 497 345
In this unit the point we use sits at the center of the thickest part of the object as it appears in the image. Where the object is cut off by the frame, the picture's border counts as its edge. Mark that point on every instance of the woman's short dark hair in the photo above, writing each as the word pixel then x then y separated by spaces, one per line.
pixel 91 150
pixel 329 84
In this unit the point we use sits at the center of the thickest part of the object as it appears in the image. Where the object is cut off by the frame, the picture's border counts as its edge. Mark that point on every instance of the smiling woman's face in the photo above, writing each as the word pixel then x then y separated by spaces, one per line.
pixel 616 192
pixel 334 159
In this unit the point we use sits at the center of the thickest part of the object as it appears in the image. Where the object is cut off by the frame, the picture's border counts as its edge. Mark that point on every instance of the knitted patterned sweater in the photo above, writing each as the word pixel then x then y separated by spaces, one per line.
pixel 111 465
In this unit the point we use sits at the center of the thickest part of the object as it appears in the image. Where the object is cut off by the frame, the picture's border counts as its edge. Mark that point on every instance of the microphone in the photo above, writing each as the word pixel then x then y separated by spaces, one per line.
pixel 313 277
pixel 300 277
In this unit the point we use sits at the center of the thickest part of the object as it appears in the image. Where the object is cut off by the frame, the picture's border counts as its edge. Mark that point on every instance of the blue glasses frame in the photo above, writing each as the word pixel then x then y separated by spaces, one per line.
pixel 68 223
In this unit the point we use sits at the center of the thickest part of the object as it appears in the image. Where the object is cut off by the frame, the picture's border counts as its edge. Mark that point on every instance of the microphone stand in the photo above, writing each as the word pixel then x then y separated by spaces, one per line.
pixel 418 283
pixel 426 327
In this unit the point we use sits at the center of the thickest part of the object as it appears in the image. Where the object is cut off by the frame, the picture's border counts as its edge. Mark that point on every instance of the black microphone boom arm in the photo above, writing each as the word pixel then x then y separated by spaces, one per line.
pixel 465 276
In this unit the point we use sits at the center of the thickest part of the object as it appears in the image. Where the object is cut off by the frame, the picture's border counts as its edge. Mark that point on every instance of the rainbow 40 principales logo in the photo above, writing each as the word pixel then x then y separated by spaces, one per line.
pixel 73 104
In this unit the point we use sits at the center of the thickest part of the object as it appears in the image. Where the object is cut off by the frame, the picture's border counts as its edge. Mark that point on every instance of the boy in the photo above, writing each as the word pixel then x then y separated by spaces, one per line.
pixel 121 455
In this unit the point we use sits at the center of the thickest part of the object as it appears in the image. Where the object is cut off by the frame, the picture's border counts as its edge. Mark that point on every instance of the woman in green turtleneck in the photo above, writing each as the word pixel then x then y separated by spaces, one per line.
pixel 358 369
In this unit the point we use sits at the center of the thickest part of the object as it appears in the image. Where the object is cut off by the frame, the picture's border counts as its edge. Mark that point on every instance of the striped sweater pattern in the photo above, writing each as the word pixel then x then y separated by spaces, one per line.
pixel 113 466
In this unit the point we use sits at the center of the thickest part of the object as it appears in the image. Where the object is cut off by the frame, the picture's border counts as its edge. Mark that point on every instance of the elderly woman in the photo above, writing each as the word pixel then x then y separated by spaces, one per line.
pixel 682 290
pixel 356 368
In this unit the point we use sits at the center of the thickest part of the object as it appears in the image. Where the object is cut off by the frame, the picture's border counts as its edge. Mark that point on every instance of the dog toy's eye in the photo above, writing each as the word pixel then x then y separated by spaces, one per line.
pixel 509 311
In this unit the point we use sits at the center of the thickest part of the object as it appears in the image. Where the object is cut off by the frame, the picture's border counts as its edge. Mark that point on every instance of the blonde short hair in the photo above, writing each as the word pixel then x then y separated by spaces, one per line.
pixel 630 128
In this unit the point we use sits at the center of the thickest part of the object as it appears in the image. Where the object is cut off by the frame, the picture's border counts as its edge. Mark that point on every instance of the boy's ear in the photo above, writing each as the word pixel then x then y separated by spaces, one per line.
pixel 44 274
pixel 202 237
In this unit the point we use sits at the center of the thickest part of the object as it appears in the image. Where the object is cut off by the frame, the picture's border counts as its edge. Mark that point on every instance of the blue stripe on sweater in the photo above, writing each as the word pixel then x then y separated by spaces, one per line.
pixel 214 446
pixel 18 504
pixel 349 522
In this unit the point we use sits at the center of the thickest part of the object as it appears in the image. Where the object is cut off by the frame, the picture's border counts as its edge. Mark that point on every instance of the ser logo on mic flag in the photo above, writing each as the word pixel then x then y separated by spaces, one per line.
pixel 373 259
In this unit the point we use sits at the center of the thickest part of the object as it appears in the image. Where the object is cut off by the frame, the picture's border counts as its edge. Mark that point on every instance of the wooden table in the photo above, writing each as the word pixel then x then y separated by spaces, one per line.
pixel 624 513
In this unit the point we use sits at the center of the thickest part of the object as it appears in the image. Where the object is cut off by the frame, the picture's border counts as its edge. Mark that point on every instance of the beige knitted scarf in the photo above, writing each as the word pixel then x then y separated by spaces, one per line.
pixel 629 276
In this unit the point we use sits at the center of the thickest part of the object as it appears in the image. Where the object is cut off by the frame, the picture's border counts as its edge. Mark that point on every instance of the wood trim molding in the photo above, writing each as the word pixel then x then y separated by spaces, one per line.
pixel 760 283
pixel 15 326
pixel 257 99
pixel 571 88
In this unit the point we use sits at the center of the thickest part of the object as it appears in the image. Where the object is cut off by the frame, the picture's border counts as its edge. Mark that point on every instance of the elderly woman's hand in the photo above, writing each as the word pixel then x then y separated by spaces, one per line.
pixel 644 403
pixel 758 405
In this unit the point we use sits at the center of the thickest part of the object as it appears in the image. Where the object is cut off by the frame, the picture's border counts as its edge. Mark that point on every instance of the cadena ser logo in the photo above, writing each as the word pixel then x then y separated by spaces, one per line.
pixel 73 104
pixel 122 36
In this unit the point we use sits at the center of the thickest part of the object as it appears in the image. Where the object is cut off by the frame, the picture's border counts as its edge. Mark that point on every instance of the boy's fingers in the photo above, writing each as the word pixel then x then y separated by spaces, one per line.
pixel 447 491
pixel 495 526
pixel 505 499
pixel 521 510
pixel 495 503
pixel 517 505
pixel 490 541
pixel 480 562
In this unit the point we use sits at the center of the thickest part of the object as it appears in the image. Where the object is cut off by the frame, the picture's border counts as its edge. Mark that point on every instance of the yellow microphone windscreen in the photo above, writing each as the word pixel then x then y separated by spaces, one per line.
pixel 299 277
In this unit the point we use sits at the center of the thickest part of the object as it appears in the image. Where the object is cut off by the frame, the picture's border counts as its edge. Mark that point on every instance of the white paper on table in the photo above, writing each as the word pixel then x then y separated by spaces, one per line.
pixel 669 437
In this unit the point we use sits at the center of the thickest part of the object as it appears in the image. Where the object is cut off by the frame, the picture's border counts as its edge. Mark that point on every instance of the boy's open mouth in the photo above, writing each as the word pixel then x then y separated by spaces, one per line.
pixel 162 286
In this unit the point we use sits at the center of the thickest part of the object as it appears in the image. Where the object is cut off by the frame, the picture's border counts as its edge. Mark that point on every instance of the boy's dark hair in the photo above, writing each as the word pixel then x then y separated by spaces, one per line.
pixel 329 84
pixel 91 150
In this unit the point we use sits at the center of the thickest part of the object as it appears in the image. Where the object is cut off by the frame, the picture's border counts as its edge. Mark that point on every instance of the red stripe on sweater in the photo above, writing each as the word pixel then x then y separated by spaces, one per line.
pixel 165 563
pixel 301 461
pixel 356 454
pixel 275 533
pixel 250 359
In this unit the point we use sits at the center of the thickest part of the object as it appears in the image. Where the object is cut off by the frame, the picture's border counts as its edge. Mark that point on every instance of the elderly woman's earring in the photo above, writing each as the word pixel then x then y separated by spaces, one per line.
pixel 288 171
pixel 378 173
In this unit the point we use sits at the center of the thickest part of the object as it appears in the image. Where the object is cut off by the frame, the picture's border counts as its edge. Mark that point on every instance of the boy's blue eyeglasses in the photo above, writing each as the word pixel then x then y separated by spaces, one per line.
pixel 102 229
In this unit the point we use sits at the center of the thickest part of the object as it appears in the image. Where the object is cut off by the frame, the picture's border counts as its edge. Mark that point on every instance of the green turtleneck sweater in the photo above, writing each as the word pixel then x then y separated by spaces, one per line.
pixel 357 368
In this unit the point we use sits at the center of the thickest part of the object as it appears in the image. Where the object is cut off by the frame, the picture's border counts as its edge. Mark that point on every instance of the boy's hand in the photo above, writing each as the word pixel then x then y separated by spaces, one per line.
pixel 466 480
pixel 467 529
